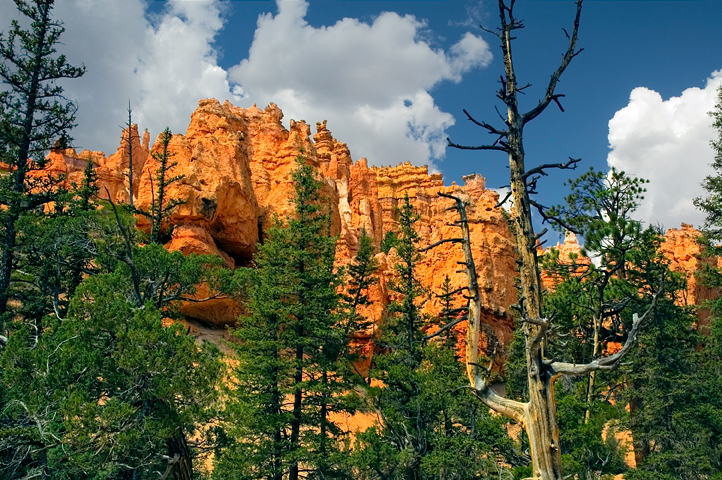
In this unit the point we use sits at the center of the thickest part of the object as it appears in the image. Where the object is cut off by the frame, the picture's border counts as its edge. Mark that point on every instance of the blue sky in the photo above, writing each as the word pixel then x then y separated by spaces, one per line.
pixel 392 78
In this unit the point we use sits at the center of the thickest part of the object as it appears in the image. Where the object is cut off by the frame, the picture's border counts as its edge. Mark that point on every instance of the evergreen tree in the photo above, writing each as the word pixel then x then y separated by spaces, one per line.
pixel 285 383
pixel 711 204
pixel 673 423
pixel 113 392
pixel 33 115
pixel 429 427
pixel 588 304
pixel 161 207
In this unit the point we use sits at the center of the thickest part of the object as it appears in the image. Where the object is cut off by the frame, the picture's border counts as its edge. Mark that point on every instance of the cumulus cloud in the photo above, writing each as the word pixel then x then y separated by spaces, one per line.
pixel 371 81
pixel 163 65
pixel 667 142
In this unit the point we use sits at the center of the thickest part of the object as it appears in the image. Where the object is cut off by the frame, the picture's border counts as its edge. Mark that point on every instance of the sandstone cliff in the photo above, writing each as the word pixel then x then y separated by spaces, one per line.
pixel 236 167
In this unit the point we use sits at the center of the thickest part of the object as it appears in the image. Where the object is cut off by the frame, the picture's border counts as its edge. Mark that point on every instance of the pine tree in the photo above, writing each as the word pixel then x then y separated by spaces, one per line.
pixel 673 423
pixel 110 388
pixel 286 387
pixel 711 204
pixel 161 207
pixel 429 427
pixel 599 207
pixel 33 116
pixel 136 390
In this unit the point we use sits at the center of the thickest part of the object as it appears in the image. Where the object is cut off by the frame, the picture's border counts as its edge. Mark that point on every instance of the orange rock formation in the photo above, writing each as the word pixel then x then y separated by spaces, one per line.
pixel 681 248
pixel 570 252
pixel 684 253
pixel 236 165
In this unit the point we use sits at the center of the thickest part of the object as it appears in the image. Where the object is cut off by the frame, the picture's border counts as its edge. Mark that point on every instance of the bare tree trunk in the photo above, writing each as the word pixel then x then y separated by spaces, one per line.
pixel 540 417
pixel 596 351
pixel 537 416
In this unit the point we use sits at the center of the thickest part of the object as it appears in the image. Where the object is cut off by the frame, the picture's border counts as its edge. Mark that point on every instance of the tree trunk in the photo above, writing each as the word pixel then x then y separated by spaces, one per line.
pixel 18 186
pixel 297 405
pixel 323 464
pixel 276 408
pixel 183 468
pixel 540 417
pixel 593 375
pixel 640 444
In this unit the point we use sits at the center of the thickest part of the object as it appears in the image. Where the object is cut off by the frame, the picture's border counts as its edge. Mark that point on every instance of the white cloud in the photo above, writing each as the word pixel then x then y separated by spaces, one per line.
pixel 162 65
pixel 371 81
pixel 667 142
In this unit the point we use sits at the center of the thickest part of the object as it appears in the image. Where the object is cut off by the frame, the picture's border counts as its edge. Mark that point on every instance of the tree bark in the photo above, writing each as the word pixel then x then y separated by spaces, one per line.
pixel 297 405
pixel 540 417
pixel 183 468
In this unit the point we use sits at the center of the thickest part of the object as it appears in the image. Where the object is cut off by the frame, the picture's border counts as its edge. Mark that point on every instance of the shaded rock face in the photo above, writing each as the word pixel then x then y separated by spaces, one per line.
pixel 237 169
pixel 216 186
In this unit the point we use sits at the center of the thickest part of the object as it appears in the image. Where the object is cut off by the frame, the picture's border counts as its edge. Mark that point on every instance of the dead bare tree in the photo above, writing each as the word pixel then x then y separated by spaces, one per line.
pixel 129 127
pixel 538 415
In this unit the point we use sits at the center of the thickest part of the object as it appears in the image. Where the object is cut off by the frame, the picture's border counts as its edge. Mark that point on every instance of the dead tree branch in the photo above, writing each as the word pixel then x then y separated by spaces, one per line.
pixel 541 169
pixel 436 244
pixel 570 53
pixel 477 379
pixel 612 361
pixel 503 148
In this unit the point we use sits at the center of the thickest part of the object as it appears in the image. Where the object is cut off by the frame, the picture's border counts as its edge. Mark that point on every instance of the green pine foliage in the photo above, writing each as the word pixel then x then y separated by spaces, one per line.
pixel 430 428
pixel 666 380
pixel 711 204
pixel 50 252
pixel 589 304
pixel 286 385
pixel 140 390
pixel 33 116
pixel 108 391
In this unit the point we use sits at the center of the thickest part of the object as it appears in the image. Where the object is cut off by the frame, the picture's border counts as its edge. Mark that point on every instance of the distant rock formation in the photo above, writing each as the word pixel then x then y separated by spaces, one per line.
pixel 681 248
pixel 237 164
pixel 685 256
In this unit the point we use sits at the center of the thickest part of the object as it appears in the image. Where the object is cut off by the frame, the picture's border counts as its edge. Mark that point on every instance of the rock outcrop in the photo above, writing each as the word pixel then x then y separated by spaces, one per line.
pixel 492 243
pixel 236 166
pixel 570 253
pixel 684 252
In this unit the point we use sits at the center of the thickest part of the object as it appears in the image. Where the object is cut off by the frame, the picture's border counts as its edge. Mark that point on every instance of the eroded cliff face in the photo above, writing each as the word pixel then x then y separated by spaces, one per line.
pixel 236 167
pixel 491 239
pixel 684 252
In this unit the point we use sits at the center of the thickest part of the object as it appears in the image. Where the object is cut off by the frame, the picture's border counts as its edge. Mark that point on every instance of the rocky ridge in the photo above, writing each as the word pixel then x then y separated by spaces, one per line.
pixel 236 165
